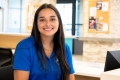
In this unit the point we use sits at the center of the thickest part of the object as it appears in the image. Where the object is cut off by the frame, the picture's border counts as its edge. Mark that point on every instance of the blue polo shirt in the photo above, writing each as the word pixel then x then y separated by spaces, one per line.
pixel 26 59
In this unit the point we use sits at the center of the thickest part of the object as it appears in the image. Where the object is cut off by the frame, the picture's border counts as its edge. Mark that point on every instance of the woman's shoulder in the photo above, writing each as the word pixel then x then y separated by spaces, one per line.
pixel 26 42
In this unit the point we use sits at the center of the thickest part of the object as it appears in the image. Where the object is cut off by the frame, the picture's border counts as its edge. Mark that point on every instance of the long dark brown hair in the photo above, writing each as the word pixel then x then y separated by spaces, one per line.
pixel 59 42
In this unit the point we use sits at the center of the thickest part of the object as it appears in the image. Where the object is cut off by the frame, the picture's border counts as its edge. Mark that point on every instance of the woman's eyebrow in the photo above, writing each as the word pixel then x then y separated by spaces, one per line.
pixel 52 16
pixel 44 17
pixel 41 17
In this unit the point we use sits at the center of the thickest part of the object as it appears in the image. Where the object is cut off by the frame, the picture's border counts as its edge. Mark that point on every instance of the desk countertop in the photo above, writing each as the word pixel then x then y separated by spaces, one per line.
pixel 113 72
pixel 111 75
pixel 90 69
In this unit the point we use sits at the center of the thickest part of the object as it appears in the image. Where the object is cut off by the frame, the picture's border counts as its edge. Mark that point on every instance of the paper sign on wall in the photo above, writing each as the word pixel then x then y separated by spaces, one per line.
pixel 92 11
pixel 104 6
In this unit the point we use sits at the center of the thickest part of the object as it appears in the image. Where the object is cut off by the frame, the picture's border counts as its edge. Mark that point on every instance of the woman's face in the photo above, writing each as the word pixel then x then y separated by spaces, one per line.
pixel 47 22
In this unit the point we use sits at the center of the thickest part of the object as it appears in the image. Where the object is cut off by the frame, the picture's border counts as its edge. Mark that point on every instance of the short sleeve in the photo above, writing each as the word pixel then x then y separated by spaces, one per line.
pixel 69 59
pixel 22 58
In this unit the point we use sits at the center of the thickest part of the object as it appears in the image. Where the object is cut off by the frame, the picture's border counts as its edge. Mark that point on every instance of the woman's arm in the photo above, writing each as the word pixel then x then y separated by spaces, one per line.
pixel 71 77
pixel 21 75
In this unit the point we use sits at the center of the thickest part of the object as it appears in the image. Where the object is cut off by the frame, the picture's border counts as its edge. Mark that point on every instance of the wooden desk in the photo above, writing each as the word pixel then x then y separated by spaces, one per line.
pixel 81 77
pixel 10 40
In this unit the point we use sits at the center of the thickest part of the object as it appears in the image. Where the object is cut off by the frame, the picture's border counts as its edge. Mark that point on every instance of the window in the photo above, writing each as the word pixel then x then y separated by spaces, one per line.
pixel 66 15
pixel 16 16
pixel 71 13
pixel 2 10
pixel 79 16
pixel 13 16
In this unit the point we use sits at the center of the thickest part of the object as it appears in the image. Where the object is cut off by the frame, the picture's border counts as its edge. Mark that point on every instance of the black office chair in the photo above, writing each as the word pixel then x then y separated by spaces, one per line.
pixel 7 73
pixel 6 57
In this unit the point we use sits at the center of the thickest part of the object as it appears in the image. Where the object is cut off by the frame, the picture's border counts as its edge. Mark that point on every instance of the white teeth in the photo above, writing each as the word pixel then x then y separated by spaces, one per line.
pixel 48 29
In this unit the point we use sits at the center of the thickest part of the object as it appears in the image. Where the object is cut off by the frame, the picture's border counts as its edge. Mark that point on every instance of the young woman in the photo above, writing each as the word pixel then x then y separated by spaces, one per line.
pixel 44 55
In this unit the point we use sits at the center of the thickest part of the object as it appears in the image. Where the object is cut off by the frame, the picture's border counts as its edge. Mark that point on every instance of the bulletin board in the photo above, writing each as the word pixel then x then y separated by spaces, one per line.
pixel 98 16
pixel 31 9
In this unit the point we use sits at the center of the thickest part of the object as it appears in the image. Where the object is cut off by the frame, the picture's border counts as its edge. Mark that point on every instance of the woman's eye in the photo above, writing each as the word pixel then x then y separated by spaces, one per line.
pixel 52 19
pixel 41 20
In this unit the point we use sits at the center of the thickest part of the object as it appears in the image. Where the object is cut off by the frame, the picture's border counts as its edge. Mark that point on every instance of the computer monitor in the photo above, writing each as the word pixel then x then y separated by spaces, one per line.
pixel 112 60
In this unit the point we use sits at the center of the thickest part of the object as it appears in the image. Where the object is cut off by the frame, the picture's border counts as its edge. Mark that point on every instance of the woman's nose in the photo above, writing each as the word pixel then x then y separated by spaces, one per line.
pixel 48 23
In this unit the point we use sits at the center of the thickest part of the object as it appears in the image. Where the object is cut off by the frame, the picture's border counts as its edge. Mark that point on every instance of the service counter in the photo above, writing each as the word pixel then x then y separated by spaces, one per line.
pixel 10 40
pixel 111 75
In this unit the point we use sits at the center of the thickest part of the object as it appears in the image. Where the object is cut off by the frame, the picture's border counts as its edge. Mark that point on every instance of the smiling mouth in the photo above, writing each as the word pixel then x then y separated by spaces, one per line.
pixel 48 29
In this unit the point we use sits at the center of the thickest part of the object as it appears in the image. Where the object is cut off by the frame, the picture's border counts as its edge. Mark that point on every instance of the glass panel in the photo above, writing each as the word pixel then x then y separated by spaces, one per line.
pixel 1 20
pixel 79 20
pixel 78 30
pixel 23 27
pixel 2 15
pixel 14 20
pixel 16 16
pixel 66 15
pixel 14 3
pixel 23 4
